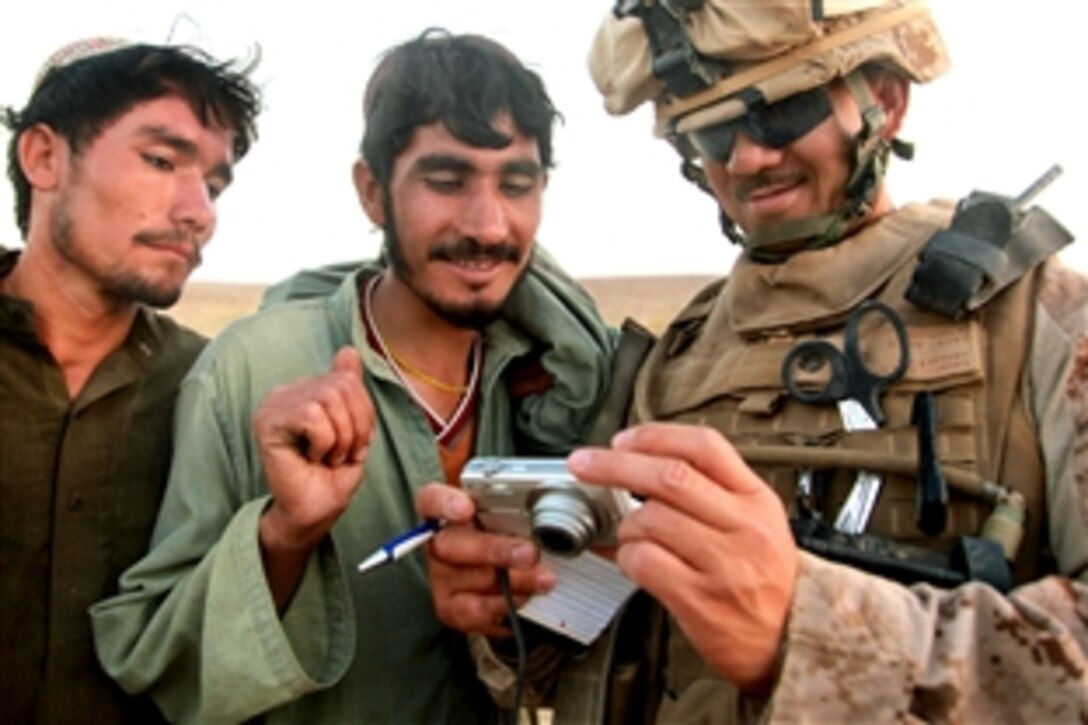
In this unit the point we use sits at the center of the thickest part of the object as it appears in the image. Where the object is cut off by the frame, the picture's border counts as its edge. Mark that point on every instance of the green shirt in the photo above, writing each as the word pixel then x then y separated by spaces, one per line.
pixel 80 484
pixel 195 623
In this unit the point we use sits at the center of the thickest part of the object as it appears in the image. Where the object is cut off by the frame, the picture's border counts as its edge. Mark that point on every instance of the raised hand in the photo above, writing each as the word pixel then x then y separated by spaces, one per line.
pixel 313 436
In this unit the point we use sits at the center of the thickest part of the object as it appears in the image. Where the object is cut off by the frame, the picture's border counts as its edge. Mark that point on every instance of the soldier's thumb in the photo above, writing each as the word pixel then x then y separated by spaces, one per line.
pixel 347 360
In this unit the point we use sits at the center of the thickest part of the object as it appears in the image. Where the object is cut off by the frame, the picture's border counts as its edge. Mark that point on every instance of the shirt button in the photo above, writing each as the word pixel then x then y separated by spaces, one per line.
pixel 75 502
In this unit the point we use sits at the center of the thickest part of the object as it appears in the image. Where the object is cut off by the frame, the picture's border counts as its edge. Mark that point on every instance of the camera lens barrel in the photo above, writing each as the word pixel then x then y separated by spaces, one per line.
pixel 563 521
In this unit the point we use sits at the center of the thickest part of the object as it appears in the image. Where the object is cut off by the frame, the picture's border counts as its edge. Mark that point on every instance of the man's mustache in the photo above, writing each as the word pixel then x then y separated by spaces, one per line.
pixel 754 184
pixel 173 238
pixel 467 250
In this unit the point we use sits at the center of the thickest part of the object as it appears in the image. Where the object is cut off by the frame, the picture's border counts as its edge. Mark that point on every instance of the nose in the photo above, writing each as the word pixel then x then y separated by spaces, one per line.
pixel 194 207
pixel 749 157
pixel 485 216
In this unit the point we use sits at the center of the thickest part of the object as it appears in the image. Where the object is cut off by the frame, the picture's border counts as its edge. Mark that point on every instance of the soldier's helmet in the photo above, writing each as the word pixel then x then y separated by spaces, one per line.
pixel 705 62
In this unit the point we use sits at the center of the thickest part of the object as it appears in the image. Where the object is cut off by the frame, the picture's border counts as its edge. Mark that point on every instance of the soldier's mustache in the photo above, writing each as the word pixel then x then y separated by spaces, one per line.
pixel 751 186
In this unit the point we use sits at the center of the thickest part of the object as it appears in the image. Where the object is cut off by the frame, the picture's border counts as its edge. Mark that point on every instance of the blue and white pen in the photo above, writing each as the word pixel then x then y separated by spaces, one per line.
pixel 402 545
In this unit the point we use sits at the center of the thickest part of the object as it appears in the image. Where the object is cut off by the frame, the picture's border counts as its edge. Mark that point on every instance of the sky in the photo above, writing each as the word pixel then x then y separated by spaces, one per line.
pixel 615 204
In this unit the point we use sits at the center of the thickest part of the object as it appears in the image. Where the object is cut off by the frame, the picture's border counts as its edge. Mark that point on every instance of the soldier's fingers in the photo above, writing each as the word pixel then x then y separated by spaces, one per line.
pixel 700 546
pixel 704 448
pixel 670 480
pixel 658 571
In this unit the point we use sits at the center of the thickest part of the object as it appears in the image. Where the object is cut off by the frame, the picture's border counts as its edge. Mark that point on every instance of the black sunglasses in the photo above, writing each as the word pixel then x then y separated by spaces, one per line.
pixel 776 125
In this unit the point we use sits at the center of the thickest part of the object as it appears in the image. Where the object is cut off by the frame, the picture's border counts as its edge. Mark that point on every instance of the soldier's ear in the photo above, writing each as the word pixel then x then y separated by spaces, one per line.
pixel 892 92
pixel 43 156
pixel 369 190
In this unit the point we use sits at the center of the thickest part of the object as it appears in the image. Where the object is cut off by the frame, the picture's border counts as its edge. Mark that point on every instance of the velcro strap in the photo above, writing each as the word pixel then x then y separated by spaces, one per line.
pixel 972 250
pixel 676 62
pixel 960 272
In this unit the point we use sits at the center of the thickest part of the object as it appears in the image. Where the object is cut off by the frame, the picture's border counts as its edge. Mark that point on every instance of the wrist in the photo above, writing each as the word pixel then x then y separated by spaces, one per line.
pixel 284 554
pixel 278 535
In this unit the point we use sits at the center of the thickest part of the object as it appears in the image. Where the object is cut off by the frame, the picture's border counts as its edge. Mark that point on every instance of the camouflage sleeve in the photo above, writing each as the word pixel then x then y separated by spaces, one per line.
pixel 864 649
pixel 1057 386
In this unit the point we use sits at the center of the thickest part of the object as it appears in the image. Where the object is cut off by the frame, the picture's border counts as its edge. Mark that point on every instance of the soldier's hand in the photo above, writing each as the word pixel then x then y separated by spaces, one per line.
pixel 313 435
pixel 463 563
pixel 711 542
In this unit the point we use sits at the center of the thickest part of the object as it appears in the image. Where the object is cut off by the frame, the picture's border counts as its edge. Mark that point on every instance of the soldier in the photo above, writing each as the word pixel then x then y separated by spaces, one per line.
pixel 117 160
pixel 955 457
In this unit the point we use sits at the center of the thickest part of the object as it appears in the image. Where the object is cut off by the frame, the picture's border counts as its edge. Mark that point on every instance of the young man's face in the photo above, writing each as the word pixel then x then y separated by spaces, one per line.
pixel 135 208
pixel 460 220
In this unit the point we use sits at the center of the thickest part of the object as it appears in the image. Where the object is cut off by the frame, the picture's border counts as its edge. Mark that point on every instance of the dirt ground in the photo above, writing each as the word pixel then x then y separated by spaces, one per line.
pixel 210 306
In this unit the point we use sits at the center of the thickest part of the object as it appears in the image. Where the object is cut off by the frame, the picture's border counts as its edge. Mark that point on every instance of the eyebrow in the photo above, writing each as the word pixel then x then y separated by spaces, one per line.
pixel 459 165
pixel 185 147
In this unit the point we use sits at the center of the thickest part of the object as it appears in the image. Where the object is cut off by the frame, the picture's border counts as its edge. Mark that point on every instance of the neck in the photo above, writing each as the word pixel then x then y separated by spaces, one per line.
pixel 413 330
pixel 777 242
pixel 74 318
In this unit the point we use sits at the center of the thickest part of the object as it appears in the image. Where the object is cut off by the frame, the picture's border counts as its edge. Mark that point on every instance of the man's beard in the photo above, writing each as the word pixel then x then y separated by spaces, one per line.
pixel 473 315
pixel 124 285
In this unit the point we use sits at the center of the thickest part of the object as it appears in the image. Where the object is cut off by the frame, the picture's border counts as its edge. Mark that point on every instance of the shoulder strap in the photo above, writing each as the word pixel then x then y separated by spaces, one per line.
pixel 634 343
pixel 992 242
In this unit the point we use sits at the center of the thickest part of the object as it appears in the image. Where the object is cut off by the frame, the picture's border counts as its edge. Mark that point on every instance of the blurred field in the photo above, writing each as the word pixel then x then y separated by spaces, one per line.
pixel 210 306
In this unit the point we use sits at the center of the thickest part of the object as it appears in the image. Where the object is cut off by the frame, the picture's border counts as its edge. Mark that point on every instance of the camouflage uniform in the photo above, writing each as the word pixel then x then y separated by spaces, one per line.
pixel 859 647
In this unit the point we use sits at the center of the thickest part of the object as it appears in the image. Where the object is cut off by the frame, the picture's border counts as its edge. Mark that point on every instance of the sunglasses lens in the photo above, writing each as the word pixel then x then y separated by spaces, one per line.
pixel 715 142
pixel 777 125
pixel 780 124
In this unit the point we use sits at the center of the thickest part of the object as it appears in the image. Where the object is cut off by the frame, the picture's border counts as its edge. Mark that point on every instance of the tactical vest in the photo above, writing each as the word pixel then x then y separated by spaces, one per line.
pixel 720 364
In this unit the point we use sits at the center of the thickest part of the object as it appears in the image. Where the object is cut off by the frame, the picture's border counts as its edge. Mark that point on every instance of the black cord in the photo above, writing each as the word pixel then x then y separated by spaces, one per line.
pixel 519 641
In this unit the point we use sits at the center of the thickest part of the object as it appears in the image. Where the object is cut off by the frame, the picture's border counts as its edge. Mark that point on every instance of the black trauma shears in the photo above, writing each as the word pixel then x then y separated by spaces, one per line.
pixel 851 379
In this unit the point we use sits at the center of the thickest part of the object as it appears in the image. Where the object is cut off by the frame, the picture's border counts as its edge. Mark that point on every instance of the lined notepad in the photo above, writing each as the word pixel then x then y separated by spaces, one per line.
pixel 588 592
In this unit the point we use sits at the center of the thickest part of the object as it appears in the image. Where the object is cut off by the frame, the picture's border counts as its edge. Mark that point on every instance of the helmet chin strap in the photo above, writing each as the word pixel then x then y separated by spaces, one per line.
pixel 869 152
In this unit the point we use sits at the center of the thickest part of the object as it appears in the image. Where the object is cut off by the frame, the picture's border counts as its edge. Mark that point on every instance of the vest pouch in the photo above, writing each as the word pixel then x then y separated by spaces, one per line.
pixel 738 389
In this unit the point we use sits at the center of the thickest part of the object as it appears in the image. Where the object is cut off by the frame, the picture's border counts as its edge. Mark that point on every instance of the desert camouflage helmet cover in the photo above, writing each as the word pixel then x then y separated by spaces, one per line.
pixel 771 49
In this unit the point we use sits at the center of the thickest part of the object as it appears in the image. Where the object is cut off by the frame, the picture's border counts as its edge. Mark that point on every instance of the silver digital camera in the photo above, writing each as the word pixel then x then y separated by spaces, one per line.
pixel 539 498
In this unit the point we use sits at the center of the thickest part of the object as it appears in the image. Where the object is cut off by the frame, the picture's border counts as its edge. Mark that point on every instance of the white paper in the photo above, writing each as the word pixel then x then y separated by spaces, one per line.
pixel 588 592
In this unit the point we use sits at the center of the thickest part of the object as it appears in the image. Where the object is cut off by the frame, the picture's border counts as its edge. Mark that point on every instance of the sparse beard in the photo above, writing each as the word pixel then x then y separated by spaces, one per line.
pixel 125 286
pixel 471 316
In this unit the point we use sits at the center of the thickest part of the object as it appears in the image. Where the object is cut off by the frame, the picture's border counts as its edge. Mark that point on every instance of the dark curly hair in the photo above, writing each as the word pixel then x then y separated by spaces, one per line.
pixel 464 81
pixel 80 99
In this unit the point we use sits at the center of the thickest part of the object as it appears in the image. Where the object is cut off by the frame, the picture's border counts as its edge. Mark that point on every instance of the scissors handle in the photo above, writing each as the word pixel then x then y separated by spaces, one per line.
pixel 864 384
pixel 848 375
pixel 812 355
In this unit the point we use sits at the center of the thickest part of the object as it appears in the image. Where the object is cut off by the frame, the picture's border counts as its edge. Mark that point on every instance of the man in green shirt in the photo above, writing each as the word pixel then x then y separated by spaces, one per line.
pixel 117 160
pixel 305 430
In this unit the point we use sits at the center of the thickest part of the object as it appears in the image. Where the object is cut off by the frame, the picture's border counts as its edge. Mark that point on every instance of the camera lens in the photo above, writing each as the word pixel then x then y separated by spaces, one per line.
pixel 563 521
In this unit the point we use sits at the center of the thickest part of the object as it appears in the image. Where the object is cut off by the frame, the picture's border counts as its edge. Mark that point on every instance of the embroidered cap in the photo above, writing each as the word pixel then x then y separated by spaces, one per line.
pixel 76 51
